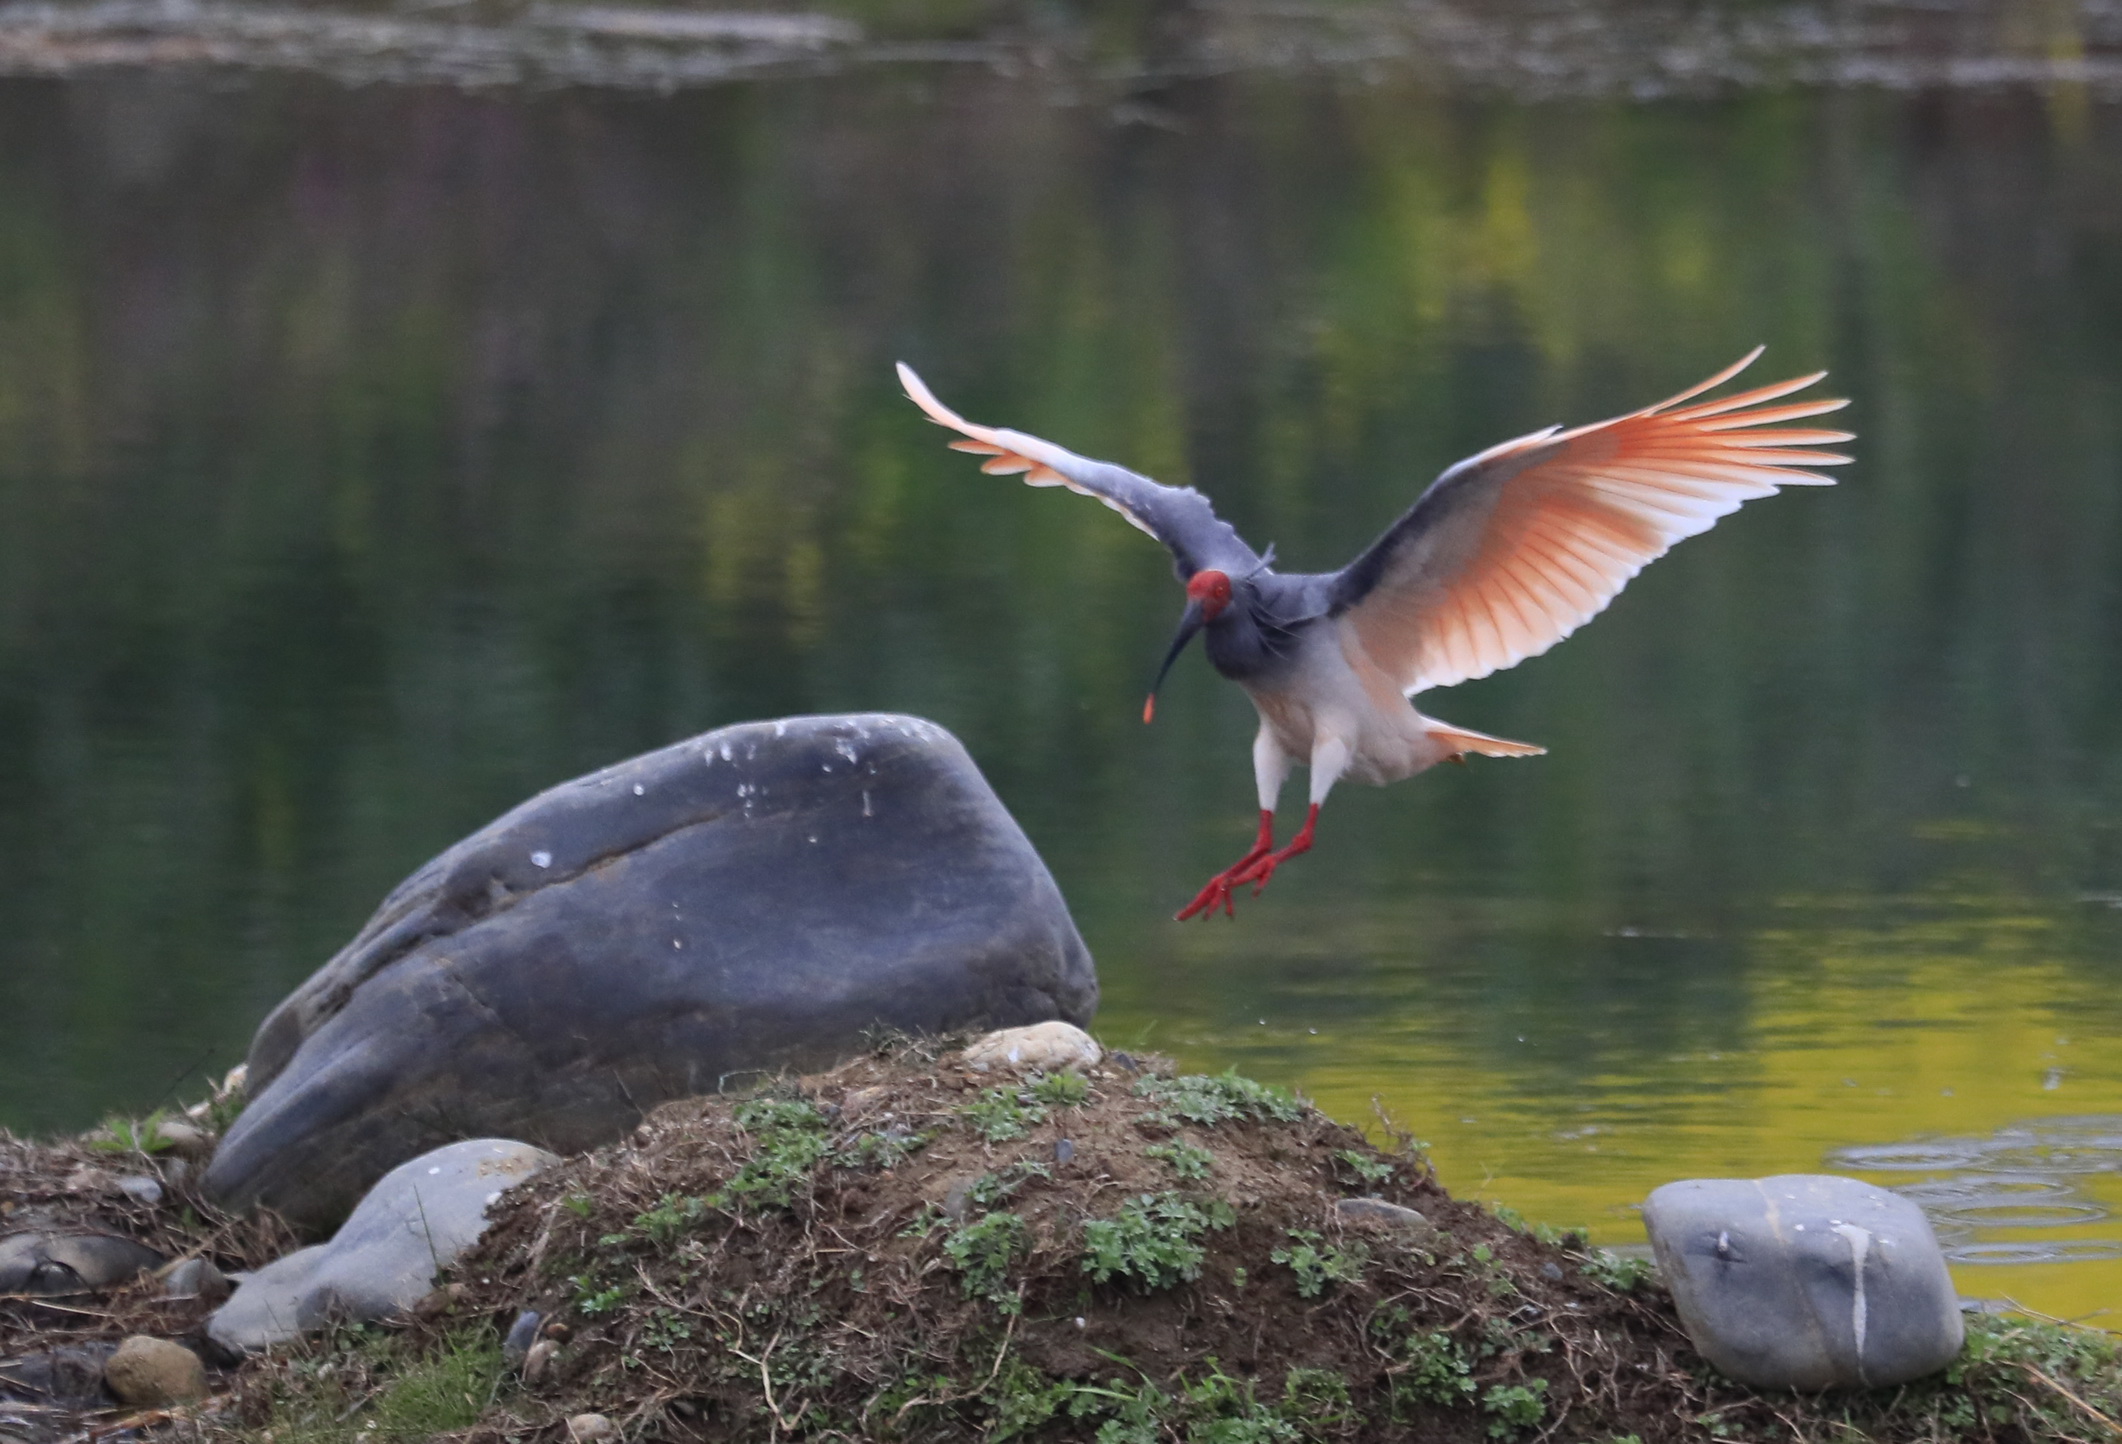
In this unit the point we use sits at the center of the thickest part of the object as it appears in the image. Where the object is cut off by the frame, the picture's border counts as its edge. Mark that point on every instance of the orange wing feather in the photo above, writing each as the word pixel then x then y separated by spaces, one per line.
pixel 1516 548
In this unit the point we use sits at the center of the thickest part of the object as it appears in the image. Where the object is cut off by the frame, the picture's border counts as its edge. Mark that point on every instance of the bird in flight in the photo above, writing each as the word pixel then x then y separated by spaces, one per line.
pixel 1503 556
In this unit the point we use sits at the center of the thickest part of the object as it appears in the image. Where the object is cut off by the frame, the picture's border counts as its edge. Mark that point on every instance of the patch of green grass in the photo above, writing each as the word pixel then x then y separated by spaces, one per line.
pixel 1061 1090
pixel 382 1390
pixel 1186 1160
pixel 1319 1397
pixel 1001 1114
pixel 1318 1264
pixel 2014 1368
pixel 133 1135
pixel 1221 1098
pixel 1620 1272
pixel 789 1139
pixel 982 1251
pixel 1154 1241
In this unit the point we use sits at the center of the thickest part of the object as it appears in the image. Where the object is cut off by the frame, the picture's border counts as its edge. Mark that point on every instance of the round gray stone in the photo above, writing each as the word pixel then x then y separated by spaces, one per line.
pixel 1805 1281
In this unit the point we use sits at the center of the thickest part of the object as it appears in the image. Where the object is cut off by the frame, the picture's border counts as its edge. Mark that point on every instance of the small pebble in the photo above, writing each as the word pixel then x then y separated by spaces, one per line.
pixel 146 1190
pixel 1552 1270
pixel 154 1373
pixel 521 1335
pixel 538 1358
pixel 197 1278
pixel 1064 1150
pixel 585 1427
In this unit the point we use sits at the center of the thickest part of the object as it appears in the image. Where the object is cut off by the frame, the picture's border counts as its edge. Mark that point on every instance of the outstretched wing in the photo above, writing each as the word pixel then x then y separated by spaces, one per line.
pixel 1179 517
pixel 1512 550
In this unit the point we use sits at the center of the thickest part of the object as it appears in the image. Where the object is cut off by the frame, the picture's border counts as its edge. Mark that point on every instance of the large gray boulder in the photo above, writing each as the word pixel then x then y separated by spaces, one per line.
pixel 413 1224
pixel 1805 1281
pixel 756 898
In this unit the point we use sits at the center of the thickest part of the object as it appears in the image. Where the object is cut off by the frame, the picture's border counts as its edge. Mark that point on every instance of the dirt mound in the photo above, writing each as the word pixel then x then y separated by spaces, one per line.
pixel 906 1249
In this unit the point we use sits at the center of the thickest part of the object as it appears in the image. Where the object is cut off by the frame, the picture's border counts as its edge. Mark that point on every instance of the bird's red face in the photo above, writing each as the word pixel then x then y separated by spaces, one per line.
pixel 1211 589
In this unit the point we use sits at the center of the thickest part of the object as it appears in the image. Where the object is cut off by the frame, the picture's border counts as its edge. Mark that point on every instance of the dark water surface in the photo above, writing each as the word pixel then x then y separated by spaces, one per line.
pixel 370 459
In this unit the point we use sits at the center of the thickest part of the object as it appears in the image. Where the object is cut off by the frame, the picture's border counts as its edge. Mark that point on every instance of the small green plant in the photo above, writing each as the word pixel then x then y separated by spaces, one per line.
pixel 1001 1114
pixel 1514 1407
pixel 133 1135
pixel 1021 1399
pixel 1221 1098
pixel 981 1252
pixel 1061 1090
pixel 887 1148
pixel 1545 1233
pixel 1619 1272
pixel 591 1299
pixel 1154 1241
pixel 673 1216
pixel 990 1189
pixel 789 1138
pixel 1436 1370
pixel 666 1330
pixel 1186 1160
pixel 1319 1397
pixel 581 1205
pixel 1317 1263
pixel 1365 1170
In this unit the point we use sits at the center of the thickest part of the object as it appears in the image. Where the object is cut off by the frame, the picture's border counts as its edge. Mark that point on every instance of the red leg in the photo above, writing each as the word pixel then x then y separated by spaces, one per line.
pixel 1261 869
pixel 1217 893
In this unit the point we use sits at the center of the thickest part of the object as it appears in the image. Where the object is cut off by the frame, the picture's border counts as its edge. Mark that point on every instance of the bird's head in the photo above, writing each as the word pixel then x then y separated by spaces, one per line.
pixel 1208 593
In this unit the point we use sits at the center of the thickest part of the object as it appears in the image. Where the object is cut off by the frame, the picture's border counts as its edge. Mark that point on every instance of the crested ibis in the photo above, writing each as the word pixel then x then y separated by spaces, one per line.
pixel 1503 556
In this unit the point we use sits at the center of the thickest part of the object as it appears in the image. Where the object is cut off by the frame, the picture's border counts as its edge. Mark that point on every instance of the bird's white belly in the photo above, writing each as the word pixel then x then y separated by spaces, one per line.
pixel 1322 696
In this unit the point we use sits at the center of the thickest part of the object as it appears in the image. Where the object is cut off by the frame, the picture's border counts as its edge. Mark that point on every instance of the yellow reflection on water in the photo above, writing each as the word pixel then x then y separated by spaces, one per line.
pixel 1954 1021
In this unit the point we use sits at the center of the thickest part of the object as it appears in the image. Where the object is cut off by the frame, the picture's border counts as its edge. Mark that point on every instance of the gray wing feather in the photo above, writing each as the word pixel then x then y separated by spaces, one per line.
pixel 1180 517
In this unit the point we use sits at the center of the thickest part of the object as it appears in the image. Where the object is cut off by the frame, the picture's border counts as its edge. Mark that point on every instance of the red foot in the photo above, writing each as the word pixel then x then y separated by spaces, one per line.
pixel 1217 893
pixel 1261 869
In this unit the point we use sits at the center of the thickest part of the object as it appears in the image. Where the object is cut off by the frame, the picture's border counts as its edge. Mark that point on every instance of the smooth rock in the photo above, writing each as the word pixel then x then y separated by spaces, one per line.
pixel 70 1263
pixel 586 1428
pixel 152 1373
pixel 1805 1281
pixel 757 898
pixel 197 1278
pixel 141 1189
pixel 1038 1048
pixel 384 1259
pixel 1378 1213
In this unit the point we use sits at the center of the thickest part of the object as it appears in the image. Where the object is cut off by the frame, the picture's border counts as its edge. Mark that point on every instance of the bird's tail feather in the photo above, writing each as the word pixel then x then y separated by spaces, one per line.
pixel 1462 739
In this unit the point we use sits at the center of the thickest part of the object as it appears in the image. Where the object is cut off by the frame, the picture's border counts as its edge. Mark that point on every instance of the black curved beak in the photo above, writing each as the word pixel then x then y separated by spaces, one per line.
pixel 1190 622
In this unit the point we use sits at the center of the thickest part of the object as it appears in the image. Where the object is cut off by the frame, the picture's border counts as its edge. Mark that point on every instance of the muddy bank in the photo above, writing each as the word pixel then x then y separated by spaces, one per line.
pixel 1529 49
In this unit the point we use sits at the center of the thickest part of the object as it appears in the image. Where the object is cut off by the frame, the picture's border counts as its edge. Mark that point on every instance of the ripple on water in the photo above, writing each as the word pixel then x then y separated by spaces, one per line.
pixel 2023 1178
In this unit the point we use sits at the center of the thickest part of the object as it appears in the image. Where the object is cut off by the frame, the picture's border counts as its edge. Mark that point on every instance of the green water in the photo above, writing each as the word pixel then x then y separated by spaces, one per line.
pixel 372 458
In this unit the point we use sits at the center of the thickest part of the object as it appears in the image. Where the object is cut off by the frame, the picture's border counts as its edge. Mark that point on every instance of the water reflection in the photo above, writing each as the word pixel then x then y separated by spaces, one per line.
pixel 370 459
